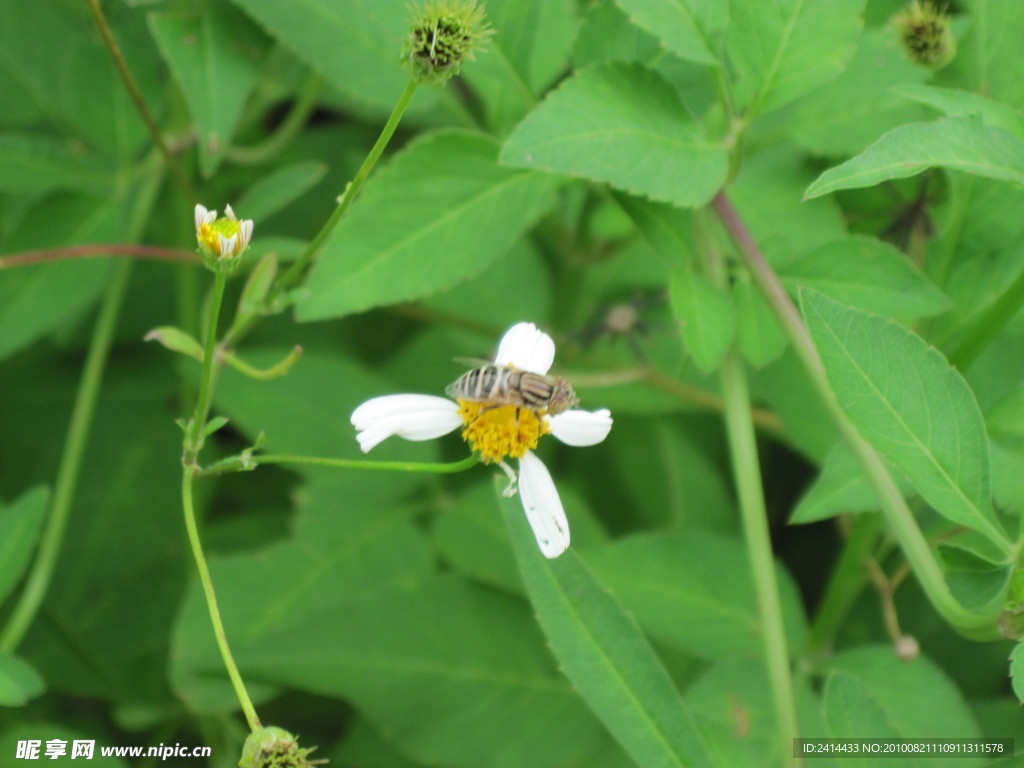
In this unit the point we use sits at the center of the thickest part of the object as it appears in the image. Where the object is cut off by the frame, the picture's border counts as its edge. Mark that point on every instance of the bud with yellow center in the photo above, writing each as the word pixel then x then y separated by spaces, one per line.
pixel 497 432
pixel 221 241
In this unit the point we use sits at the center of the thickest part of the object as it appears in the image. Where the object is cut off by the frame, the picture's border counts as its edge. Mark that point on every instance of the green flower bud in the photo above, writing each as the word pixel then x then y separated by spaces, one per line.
pixel 442 36
pixel 925 34
pixel 274 747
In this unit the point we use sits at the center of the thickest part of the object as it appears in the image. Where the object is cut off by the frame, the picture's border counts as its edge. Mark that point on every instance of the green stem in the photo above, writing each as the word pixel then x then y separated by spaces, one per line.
pixel 746 468
pixel 897 514
pixel 994 319
pixel 211 601
pixel 71 461
pixel 238 463
pixel 136 96
pixel 195 432
pixel 845 584
pixel 300 264
pixel 289 128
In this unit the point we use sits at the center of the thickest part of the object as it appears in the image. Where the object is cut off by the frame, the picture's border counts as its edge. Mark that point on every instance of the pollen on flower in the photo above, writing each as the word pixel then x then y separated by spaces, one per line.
pixel 502 431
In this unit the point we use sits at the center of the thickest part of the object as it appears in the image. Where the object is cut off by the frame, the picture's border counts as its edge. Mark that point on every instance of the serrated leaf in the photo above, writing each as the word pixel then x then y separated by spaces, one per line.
pixel 868 274
pixel 624 125
pixel 21 523
pixel 1017 671
pixel 957 103
pixel 669 230
pixel 440 213
pixel 783 49
pixel 19 681
pixel 911 699
pixel 960 143
pixel 704 577
pixel 214 57
pixel 906 400
pixel 975 581
pixel 604 654
pixel 692 29
pixel 279 188
pixel 707 318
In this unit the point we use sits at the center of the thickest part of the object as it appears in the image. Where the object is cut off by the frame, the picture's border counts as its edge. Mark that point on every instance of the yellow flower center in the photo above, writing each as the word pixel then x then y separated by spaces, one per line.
pixel 501 431
pixel 207 235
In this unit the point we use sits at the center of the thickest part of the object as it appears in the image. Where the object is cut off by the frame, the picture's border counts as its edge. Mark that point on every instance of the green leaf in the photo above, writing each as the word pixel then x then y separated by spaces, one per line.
pixel 354 44
pixel 22 523
pixel 438 214
pixel 530 50
pixel 669 230
pixel 177 340
pixel 214 57
pixel 608 35
pixel 692 29
pixel 623 125
pixel 911 699
pixel 911 406
pixel 782 50
pixel 448 672
pixel 704 577
pixel 956 103
pixel 1017 671
pixel 707 317
pixel 37 164
pixel 604 654
pixel 843 116
pixel 759 335
pixel 975 581
pixel 839 489
pixel 960 143
pixel 868 274
pixel 988 57
pixel 19 681
pixel 279 188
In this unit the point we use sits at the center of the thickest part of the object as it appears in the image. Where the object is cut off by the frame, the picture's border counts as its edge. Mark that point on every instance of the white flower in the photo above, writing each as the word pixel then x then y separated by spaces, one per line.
pixel 496 431
pixel 222 237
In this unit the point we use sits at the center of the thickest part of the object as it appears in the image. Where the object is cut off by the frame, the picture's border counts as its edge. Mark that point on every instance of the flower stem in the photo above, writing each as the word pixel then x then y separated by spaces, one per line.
pixel 195 438
pixel 300 264
pixel 237 463
pixel 743 448
pixel 136 96
pixel 898 515
pixel 38 580
pixel 211 601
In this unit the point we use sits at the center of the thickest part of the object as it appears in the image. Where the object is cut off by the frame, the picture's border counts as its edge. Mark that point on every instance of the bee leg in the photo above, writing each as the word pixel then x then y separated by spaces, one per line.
pixel 482 411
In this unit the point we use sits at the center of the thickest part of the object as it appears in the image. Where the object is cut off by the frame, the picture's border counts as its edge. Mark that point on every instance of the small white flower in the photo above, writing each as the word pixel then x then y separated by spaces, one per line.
pixel 497 432
pixel 222 238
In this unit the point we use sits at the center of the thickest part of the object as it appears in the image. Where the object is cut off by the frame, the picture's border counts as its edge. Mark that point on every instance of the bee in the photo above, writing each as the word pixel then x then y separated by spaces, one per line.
pixel 498 385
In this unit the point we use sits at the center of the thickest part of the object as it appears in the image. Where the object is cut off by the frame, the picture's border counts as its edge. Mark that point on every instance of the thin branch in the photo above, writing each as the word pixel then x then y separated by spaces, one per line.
pixel 100 250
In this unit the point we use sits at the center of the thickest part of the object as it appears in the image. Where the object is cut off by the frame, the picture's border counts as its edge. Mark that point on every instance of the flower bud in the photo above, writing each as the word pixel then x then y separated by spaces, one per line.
pixel 442 36
pixel 221 241
pixel 274 747
pixel 925 34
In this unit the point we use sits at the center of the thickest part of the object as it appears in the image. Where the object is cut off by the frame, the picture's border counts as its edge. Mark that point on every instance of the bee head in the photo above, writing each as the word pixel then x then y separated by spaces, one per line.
pixel 563 398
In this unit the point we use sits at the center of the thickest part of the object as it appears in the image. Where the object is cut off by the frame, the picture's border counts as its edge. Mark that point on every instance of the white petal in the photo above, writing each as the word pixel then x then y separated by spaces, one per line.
pixel 543 506
pixel 203 216
pixel 246 231
pixel 527 348
pixel 229 213
pixel 413 417
pixel 581 427
pixel 227 244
